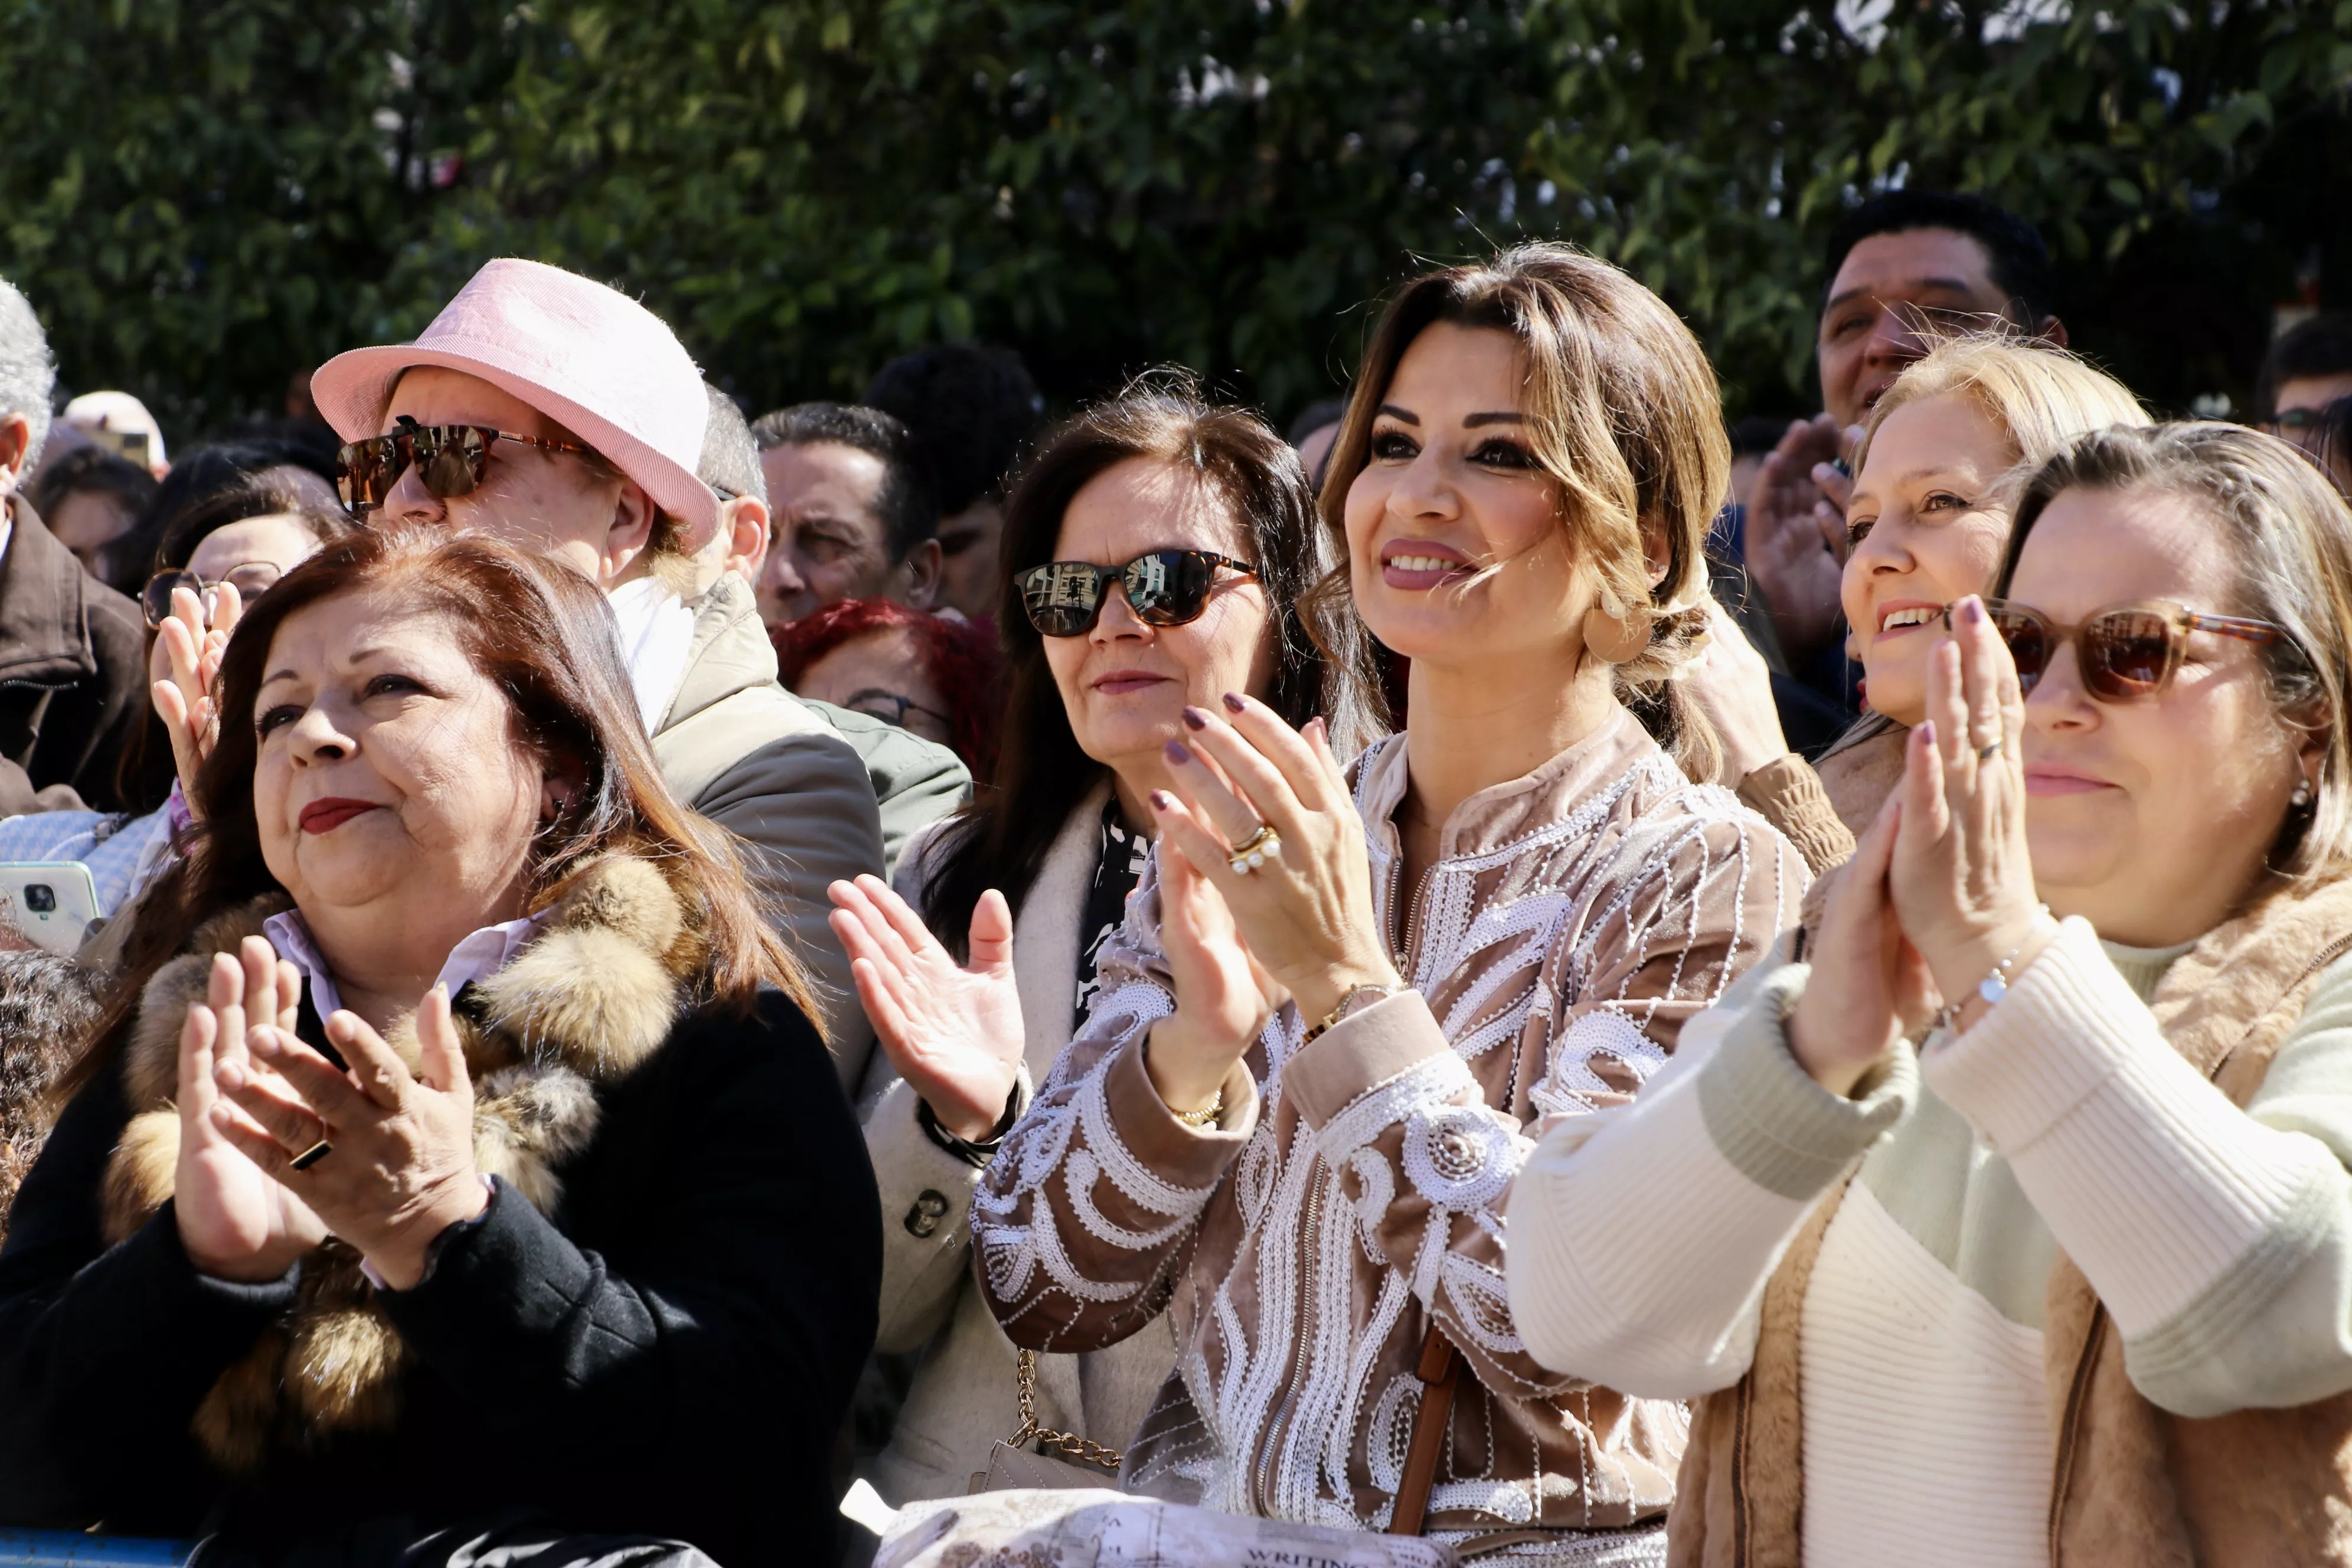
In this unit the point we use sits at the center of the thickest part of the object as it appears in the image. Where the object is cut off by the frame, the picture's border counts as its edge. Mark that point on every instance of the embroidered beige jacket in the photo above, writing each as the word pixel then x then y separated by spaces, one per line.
pixel 1575 919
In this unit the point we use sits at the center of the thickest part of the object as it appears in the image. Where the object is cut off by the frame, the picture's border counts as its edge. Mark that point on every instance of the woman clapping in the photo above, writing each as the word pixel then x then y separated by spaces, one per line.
pixel 1343 1005
pixel 2067 1283
pixel 425 1195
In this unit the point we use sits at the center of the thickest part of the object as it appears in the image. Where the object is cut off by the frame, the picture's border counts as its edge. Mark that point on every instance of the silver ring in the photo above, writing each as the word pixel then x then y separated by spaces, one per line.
pixel 1263 845
pixel 313 1154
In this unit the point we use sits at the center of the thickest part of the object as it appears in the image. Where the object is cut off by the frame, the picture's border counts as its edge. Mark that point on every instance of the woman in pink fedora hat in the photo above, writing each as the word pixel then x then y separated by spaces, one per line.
pixel 562 416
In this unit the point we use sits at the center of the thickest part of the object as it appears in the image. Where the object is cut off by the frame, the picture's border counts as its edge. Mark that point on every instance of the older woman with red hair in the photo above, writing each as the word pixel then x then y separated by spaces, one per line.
pixel 422 1194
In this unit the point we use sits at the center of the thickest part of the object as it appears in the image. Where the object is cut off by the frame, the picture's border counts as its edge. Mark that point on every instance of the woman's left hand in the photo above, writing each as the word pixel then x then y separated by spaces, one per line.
pixel 401 1168
pixel 1306 913
pixel 1963 880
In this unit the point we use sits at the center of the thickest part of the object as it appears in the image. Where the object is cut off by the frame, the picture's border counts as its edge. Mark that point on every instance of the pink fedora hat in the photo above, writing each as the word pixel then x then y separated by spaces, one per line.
pixel 593 360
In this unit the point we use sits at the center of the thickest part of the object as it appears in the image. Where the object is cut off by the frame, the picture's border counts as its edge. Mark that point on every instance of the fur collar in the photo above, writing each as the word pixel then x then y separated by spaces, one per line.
pixel 589 998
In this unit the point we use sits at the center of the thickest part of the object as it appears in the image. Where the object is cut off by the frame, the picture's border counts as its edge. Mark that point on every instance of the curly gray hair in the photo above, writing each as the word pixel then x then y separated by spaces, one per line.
pixel 27 375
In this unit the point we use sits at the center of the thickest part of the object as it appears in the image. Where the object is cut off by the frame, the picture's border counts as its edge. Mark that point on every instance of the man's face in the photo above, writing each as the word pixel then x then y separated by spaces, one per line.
pixel 830 544
pixel 536 499
pixel 1888 289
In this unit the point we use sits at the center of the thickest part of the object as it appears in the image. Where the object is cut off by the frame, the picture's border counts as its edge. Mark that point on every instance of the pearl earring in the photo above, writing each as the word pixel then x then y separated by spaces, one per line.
pixel 2301 795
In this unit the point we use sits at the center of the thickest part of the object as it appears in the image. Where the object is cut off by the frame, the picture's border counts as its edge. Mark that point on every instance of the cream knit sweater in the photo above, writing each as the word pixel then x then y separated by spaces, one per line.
pixel 2220 1240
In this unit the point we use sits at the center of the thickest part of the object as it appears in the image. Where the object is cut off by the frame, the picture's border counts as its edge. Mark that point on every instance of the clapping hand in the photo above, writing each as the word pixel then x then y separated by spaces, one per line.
pixel 954 1033
pixel 1301 917
pixel 235 1222
pixel 184 699
pixel 1962 877
pixel 1795 531
pixel 397 1168
pixel 1869 987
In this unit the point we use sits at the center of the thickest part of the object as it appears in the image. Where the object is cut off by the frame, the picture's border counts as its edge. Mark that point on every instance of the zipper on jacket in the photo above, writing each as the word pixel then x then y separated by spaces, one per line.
pixel 2076 1396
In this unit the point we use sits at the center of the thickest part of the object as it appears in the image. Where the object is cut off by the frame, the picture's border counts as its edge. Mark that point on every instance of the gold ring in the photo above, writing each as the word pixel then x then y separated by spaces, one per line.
pixel 1263 845
pixel 313 1154
pixel 1988 751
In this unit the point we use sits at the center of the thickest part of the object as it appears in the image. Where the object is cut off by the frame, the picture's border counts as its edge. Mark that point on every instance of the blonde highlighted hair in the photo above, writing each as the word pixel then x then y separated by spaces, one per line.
pixel 2042 396
pixel 1622 412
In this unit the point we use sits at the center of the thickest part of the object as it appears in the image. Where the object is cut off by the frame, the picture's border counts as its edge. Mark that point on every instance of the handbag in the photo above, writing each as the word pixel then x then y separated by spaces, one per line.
pixel 1013 1465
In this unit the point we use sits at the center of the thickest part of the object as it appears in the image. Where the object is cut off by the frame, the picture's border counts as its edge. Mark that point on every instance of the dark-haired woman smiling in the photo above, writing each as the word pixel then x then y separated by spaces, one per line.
pixel 523 1266
pixel 1158 547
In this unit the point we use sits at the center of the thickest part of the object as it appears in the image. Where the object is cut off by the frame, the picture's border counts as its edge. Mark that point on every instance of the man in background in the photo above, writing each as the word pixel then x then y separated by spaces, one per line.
pixel 1902 270
pixel 73 655
pixel 2308 367
pixel 973 412
pixel 915 782
pixel 853 509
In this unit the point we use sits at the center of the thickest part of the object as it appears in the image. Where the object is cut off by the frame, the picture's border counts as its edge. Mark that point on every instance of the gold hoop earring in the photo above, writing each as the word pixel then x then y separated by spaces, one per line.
pixel 1612 639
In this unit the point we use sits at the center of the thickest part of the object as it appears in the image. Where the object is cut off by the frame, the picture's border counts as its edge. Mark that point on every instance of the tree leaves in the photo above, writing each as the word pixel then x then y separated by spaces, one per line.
pixel 204 196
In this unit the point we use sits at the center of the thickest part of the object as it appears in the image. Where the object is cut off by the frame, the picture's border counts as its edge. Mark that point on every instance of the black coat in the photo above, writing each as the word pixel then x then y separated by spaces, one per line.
pixel 73 664
pixel 672 1353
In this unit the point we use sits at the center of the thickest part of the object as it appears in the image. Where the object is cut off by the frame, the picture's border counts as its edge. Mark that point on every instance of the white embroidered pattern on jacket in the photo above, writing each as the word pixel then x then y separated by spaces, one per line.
pixel 1293 1385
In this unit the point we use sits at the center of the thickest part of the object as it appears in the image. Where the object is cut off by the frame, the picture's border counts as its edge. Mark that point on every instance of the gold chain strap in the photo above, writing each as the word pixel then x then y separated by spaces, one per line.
pixel 1069 1443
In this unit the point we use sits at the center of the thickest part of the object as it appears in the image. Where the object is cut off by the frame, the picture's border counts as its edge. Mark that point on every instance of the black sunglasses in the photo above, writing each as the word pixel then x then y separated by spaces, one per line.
pixel 1165 588
pixel 450 460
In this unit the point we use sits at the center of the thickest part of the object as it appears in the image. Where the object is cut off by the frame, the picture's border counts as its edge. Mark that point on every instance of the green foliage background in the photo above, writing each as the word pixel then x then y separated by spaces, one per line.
pixel 203 196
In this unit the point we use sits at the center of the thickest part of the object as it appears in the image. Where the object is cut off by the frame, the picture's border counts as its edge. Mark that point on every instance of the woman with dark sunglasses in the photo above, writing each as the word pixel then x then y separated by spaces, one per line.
pixel 1155 551
pixel 1344 1002
pixel 2066 1280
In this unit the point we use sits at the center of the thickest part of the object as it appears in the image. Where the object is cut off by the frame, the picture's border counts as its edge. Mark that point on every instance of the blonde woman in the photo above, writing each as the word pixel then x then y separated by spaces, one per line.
pixel 1344 1004
pixel 1934 478
pixel 2066 1283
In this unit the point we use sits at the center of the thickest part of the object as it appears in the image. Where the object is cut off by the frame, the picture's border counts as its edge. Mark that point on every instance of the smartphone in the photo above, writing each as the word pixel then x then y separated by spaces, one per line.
pixel 49 902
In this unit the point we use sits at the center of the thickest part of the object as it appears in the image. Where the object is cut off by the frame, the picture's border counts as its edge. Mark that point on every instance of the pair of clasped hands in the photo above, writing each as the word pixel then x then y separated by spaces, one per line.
pixel 1939 893
pixel 253 1098
pixel 1298 928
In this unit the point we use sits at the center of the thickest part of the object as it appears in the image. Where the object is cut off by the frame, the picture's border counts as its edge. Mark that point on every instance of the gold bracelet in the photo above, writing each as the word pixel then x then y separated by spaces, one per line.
pixel 1206 1114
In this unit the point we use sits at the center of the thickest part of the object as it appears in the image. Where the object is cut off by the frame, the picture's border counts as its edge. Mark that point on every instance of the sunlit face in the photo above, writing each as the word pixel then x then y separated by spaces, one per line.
pixel 1455 547
pixel 1925 529
pixel 389 786
pixel 1889 291
pixel 1125 683
pixel 882 673
pixel 547 502
pixel 829 541
pixel 2152 818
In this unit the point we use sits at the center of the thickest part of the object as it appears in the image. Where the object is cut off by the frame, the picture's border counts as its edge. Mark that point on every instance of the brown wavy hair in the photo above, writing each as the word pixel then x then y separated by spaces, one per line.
pixel 1623 414
pixel 545 636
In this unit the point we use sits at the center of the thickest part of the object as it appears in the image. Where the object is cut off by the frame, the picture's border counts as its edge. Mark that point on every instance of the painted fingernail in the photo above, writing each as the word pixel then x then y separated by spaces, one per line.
pixel 1162 801
pixel 1195 719
pixel 1972 609
pixel 1178 752
pixel 1236 703
pixel 1927 731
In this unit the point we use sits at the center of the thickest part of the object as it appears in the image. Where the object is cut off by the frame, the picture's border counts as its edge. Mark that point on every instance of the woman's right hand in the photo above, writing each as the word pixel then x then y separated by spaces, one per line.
pixel 183 700
pixel 1869 987
pixel 235 1220
pixel 955 1034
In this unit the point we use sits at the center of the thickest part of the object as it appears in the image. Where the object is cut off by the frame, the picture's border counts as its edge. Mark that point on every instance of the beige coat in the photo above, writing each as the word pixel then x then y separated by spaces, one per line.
pixel 962 1400
pixel 798 790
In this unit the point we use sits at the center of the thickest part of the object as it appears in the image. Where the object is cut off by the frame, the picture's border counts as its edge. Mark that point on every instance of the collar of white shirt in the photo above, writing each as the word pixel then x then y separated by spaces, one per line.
pixel 478 957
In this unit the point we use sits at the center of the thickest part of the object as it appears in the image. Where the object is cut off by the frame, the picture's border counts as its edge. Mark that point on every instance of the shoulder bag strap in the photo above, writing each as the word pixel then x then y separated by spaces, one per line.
pixel 1441 1375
